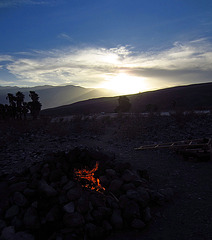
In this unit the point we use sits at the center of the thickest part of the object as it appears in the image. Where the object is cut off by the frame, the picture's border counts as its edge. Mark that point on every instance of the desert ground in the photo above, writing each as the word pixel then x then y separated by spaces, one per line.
pixel 188 214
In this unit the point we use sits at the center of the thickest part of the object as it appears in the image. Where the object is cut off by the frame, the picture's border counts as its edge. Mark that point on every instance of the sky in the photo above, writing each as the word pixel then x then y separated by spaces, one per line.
pixel 127 46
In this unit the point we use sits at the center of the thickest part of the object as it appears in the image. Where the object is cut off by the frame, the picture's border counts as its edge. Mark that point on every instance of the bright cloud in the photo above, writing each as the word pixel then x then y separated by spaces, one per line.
pixel 184 63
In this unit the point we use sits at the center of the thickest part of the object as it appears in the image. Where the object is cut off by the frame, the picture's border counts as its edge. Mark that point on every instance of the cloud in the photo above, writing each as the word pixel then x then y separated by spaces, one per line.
pixel 183 63
pixel 15 3
pixel 65 36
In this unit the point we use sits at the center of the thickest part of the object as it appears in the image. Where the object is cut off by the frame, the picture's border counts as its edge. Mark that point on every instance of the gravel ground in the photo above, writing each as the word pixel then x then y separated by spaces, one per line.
pixel 187 216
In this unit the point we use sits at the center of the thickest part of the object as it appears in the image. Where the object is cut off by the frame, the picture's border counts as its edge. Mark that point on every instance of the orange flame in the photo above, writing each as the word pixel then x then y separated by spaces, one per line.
pixel 93 183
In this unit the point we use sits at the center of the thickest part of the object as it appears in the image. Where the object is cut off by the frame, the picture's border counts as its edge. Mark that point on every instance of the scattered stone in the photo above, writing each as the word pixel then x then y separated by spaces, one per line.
pixel 129 176
pixel 147 214
pixel 69 185
pixel 93 231
pixel 52 205
pixel 73 220
pixel 110 173
pixel 31 220
pixel 18 187
pixel 69 207
pixel 2 224
pixel 8 233
pixel 115 185
pixel 131 211
pixel 19 199
pixel 23 236
pixel 54 214
pixel 17 222
pixel 12 211
pixel 46 189
pixel 138 224
pixel 101 213
pixel 116 219
pixel 73 194
pixel 83 205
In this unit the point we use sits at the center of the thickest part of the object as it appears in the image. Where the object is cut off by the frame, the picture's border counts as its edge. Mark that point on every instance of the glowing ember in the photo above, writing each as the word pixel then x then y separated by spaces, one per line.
pixel 88 175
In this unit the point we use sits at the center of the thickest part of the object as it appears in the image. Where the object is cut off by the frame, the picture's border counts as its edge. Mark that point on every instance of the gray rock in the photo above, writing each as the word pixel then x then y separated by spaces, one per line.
pixel 18 187
pixel 73 194
pixel 168 193
pixel 140 195
pixel 23 236
pixel 147 214
pixel 28 192
pixel 69 207
pixel 69 185
pixel 137 224
pixel 107 227
pixel 63 180
pixel 115 185
pixel 101 213
pixel 129 176
pixel 2 224
pixel 31 220
pixel 12 211
pixel 17 222
pixel 94 232
pixel 45 171
pixel 131 211
pixel 104 180
pixel 46 189
pixel 19 199
pixel 116 219
pixel 143 196
pixel 34 169
pixel 127 186
pixel 110 173
pixel 8 233
pixel 123 201
pixel 72 220
pixel 53 214
pixel 83 205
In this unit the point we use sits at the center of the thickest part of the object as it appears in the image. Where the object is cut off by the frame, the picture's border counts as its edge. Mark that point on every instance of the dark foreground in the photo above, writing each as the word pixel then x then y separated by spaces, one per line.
pixel 187 216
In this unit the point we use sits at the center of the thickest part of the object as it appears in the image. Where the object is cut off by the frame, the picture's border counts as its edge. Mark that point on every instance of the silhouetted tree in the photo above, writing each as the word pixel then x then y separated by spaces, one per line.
pixel 34 106
pixel 151 108
pixel 19 104
pixel 11 109
pixel 2 111
pixel 25 109
pixel 124 104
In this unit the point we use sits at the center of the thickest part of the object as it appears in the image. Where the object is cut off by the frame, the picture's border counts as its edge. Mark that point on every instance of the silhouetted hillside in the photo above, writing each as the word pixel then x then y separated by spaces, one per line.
pixel 53 96
pixel 196 96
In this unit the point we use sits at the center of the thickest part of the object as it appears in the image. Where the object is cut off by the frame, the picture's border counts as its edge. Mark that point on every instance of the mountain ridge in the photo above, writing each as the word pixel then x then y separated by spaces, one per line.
pixel 54 96
pixel 186 97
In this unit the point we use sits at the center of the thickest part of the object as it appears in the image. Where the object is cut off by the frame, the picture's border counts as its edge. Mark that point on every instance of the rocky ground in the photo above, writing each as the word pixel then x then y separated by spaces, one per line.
pixel 187 216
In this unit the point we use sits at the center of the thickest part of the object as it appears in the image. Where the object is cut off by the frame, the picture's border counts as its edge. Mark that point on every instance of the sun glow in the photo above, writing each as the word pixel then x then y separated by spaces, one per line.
pixel 123 83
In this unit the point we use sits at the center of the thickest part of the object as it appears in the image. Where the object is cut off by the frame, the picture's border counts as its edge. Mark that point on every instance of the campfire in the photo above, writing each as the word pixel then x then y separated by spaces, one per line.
pixel 45 202
pixel 86 177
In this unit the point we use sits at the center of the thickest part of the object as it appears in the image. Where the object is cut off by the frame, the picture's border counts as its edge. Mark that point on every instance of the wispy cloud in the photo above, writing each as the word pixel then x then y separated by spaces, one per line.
pixel 15 3
pixel 65 36
pixel 183 63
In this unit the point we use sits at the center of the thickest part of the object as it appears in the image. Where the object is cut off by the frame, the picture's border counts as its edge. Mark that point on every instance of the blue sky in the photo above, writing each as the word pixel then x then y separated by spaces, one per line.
pixel 125 45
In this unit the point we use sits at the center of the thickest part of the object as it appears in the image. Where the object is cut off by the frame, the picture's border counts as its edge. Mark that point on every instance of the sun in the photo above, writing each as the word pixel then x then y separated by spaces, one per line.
pixel 124 83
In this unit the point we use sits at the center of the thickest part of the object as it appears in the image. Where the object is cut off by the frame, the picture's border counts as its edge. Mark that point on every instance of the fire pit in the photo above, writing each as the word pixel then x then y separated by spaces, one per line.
pixel 77 194
pixel 89 180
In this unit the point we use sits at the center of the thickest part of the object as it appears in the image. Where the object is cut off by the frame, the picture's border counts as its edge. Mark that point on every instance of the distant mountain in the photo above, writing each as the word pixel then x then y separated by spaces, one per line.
pixel 190 97
pixel 53 96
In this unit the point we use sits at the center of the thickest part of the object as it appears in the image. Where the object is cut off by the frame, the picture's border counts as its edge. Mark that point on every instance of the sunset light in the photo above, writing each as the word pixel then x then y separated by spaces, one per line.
pixel 123 83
